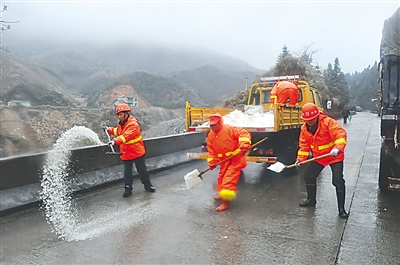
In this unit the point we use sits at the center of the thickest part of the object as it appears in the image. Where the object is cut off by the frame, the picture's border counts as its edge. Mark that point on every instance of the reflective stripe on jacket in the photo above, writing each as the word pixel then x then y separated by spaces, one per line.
pixel 129 139
pixel 329 135
pixel 226 142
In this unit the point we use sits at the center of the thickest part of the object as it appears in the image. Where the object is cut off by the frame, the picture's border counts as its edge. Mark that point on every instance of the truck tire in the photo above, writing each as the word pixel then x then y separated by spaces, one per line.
pixel 383 171
pixel 288 156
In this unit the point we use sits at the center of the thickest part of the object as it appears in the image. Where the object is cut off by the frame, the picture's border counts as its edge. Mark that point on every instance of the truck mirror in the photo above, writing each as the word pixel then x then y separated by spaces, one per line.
pixel 329 104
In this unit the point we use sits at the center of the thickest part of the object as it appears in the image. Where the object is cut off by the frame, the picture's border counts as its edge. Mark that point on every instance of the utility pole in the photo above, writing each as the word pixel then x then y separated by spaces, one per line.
pixel 246 78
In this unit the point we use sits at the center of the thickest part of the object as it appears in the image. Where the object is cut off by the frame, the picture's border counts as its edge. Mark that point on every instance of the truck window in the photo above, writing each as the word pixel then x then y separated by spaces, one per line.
pixel 312 96
pixel 254 99
pixel 300 95
pixel 266 96
pixel 319 104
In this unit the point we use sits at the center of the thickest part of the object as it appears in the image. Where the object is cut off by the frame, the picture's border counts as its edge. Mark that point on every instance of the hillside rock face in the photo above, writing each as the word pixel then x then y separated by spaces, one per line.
pixel 108 97
pixel 20 79
pixel 27 130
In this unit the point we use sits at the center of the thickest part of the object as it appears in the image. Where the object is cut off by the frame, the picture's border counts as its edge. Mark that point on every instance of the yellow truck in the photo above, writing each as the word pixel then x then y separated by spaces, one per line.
pixel 283 129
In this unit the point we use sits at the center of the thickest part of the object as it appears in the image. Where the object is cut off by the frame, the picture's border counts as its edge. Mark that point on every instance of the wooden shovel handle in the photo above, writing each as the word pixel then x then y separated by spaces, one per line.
pixel 309 160
pixel 232 156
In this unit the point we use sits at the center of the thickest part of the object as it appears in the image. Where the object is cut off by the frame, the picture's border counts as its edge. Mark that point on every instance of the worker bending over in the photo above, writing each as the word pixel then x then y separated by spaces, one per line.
pixel 283 91
pixel 224 141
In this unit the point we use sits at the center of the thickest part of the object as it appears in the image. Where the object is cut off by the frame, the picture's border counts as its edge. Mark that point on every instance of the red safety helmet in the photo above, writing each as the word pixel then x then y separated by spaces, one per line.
pixel 122 107
pixel 215 118
pixel 309 111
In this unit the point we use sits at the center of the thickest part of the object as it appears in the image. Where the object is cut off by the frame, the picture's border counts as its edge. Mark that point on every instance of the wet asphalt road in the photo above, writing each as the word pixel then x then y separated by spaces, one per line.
pixel 265 225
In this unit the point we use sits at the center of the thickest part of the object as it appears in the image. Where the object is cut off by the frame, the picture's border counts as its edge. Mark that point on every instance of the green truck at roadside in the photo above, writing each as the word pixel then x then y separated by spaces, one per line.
pixel 279 122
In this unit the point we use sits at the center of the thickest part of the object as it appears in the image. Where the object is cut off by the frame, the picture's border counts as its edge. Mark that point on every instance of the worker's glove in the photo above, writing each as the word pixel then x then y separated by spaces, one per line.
pixel 244 150
pixel 105 128
pixel 111 143
pixel 297 163
pixel 335 152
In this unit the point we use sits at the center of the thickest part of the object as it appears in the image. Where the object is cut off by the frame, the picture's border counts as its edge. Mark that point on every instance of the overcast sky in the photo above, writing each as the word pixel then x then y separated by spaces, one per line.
pixel 254 31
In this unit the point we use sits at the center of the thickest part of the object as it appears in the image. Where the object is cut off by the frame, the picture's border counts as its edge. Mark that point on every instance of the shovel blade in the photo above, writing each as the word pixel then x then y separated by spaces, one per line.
pixel 277 167
pixel 192 178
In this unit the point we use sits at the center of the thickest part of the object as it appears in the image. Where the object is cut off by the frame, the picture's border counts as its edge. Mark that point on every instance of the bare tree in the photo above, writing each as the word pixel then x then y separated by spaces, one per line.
pixel 5 25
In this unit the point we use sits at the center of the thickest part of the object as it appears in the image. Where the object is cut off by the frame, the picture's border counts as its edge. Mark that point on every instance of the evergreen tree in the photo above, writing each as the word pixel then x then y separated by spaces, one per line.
pixel 285 52
pixel 337 85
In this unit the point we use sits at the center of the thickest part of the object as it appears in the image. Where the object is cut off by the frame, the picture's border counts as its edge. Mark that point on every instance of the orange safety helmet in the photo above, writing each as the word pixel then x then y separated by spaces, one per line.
pixel 309 111
pixel 215 118
pixel 122 107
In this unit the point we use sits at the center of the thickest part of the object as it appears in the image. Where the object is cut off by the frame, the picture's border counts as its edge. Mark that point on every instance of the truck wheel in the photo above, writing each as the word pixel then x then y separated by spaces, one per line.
pixel 383 171
pixel 288 157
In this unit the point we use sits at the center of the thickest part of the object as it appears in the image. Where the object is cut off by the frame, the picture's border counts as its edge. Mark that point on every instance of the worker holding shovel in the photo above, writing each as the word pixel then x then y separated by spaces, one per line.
pixel 224 142
pixel 129 137
pixel 322 135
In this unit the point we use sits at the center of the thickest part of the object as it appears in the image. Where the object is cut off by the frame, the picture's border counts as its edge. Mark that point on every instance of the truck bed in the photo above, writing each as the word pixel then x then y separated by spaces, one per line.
pixel 279 118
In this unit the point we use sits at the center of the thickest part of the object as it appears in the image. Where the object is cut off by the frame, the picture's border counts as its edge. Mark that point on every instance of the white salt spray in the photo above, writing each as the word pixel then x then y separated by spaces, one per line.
pixel 60 209
pixel 56 193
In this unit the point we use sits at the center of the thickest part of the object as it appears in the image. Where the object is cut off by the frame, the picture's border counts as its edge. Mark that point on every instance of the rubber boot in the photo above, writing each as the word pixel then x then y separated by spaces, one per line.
pixel 311 194
pixel 224 206
pixel 340 195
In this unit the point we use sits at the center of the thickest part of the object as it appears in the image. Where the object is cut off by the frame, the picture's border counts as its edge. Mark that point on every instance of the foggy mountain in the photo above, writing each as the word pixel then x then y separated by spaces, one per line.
pixel 54 79
pixel 83 68
pixel 27 82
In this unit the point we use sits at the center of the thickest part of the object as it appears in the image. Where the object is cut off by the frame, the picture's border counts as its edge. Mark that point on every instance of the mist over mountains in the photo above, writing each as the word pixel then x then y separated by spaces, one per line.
pixel 201 76
pixel 69 85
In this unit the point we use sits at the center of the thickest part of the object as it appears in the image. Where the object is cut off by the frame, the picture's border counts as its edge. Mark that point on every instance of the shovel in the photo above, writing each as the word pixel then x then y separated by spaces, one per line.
pixel 112 147
pixel 278 167
pixel 194 177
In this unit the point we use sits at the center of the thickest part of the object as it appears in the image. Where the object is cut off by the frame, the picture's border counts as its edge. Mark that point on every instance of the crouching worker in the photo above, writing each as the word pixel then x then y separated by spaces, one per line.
pixel 129 139
pixel 283 91
pixel 224 141
pixel 322 135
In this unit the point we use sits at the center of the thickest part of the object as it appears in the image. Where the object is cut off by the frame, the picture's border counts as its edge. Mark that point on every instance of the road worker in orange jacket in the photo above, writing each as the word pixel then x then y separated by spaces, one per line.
pixel 224 141
pixel 321 135
pixel 128 137
pixel 284 90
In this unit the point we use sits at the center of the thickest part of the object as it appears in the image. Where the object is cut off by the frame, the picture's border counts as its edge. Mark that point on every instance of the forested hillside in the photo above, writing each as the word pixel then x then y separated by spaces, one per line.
pixel 333 85
pixel 364 87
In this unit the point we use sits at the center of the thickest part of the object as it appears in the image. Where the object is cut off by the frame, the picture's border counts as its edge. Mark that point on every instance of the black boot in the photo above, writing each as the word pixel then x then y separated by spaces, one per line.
pixel 149 188
pixel 128 191
pixel 340 194
pixel 311 194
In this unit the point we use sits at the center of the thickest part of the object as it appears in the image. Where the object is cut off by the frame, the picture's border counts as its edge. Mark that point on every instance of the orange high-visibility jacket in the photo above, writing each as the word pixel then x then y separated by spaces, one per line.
pixel 284 90
pixel 129 139
pixel 227 142
pixel 224 143
pixel 329 135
